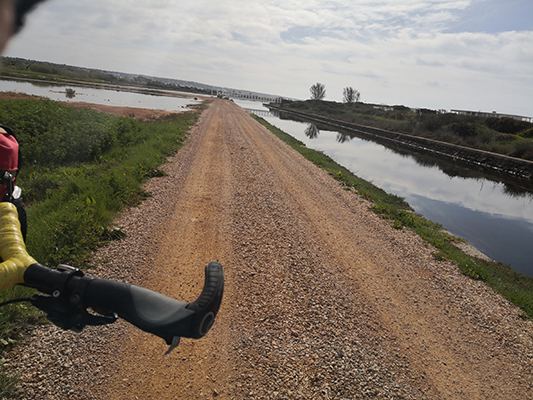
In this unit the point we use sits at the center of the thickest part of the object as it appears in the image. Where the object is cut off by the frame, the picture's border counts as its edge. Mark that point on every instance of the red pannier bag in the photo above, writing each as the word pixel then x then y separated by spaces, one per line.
pixel 9 168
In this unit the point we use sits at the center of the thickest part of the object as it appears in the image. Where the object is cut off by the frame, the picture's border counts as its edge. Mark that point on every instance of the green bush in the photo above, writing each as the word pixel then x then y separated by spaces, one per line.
pixel 523 150
pixel 528 133
pixel 53 134
pixel 72 204
pixel 507 125
pixel 73 200
pixel 499 135
pixel 463 129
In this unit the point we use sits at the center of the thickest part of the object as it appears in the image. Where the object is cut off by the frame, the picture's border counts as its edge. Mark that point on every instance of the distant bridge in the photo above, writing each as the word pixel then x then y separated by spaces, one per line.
pixel 262 113
pixel 235 94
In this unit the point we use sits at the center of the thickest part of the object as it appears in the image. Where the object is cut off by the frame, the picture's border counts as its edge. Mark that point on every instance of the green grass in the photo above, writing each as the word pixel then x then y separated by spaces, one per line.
pixel 499 135
pixel 515 287
pixel 79 169
pixel 8 383
pixel 72 213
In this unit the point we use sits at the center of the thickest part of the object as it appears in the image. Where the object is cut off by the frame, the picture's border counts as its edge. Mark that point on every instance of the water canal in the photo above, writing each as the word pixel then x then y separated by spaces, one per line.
pixel 494 212
pixel 93 95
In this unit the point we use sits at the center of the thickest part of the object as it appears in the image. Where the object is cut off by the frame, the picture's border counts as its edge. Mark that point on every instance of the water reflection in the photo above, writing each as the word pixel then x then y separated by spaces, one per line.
pixel 68 92
pixel 512 186
pixel 35 83
pixel 312 131
pixel 492 210
pixel 341 138
pixel 100 96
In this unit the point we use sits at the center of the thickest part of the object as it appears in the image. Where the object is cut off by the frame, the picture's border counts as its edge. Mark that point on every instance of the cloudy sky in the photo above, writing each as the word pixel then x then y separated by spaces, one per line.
pixel 439 54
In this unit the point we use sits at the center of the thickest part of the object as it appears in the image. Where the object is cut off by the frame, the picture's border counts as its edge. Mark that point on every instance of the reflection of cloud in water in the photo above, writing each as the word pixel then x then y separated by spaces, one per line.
pixel 476 195
pixel 501 238
pixel 99 96
pixel 479 205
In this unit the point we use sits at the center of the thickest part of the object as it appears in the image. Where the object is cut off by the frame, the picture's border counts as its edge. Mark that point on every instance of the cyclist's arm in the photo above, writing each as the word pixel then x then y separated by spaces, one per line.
pixel 15 258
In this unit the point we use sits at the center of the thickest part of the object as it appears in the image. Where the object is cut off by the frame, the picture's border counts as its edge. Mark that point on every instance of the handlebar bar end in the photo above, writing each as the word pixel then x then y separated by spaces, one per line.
pixel 208 303
pixel 72 293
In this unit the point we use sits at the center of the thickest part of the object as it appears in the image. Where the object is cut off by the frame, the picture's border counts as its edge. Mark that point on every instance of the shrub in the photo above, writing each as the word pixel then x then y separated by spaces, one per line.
pixel 528 133
pixel 523 150
pixel 463 129
pixel 53 134
pixel 507 125
pixel 505 137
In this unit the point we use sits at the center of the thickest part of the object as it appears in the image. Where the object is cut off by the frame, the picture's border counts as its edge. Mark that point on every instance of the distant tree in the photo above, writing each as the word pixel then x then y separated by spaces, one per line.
pixel 318 91
pixel 351 95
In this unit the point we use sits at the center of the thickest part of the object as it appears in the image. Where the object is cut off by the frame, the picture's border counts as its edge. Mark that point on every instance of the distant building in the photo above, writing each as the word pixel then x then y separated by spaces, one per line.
pixel 384 107
pixel 493 114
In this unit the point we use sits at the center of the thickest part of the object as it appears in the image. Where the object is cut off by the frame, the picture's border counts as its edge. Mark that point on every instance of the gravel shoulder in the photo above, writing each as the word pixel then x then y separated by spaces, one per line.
pixel 323 298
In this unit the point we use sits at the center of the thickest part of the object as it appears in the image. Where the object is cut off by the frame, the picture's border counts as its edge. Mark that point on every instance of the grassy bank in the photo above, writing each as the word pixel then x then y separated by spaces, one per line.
pixel 79 168
pixel 515 287
pixel 504 135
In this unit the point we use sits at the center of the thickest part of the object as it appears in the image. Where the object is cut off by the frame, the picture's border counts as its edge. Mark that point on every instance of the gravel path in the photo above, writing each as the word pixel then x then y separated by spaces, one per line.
pixel 323 299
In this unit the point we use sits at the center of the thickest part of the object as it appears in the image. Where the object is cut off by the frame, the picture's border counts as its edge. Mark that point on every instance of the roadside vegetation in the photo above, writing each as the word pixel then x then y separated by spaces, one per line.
pixel 79 169
pixel 504 135
pixel 515 287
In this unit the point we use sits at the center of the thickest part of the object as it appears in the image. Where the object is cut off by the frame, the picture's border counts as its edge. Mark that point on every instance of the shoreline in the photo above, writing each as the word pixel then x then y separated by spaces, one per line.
pixel 515 167
pixel 109 86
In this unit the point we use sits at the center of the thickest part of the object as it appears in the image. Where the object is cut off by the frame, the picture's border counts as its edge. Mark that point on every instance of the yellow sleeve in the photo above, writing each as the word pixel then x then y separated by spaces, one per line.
pixel 12 248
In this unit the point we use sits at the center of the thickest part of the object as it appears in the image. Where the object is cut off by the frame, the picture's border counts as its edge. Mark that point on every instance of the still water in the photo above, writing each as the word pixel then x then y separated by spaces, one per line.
pixel 99 96
pixel 493 212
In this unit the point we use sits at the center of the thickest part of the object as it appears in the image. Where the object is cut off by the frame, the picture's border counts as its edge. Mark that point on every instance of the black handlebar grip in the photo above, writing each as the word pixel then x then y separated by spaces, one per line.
pixel 150 311
pixel 157 314
pixel 206 306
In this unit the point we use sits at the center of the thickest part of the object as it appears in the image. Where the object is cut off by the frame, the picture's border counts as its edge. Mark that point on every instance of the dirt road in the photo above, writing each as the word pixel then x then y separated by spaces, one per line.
pixel 323 299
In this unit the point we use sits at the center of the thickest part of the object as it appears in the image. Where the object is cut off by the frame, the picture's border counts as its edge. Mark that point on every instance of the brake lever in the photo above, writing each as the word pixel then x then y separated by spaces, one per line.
pixel 175 342
pixel 68 317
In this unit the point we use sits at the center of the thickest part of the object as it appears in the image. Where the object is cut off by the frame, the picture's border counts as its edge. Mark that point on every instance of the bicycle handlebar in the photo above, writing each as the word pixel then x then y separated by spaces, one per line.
pixel 72 293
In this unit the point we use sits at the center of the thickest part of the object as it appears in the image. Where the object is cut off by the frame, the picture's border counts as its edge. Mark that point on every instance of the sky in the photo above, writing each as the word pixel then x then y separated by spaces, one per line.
pixel 437 54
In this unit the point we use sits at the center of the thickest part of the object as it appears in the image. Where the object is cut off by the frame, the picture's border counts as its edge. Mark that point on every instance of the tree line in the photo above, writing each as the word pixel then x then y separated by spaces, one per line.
pixel 349 94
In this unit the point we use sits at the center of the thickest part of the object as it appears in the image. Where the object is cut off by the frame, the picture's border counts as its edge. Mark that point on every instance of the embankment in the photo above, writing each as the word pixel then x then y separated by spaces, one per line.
pixel 510 165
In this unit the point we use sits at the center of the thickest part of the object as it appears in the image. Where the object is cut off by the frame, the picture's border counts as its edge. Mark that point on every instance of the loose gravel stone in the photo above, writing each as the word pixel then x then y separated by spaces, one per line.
pixel 323 298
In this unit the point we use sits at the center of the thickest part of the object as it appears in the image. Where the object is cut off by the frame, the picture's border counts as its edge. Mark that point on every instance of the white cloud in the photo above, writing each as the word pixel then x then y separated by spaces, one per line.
pixel 389 50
